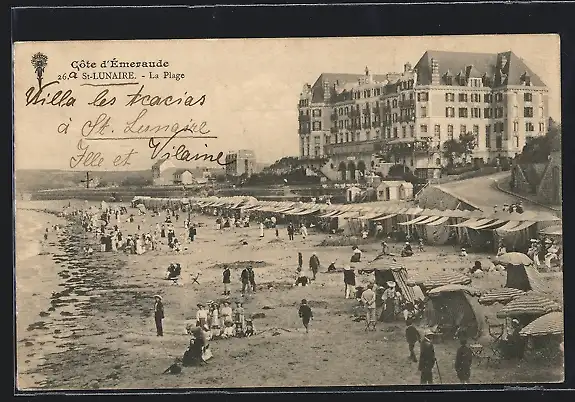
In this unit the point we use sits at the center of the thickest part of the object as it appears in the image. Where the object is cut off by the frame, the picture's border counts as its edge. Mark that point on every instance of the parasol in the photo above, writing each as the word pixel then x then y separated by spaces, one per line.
pixel 548 324
pixel 513 259
pixel 501 295
pixel 529 304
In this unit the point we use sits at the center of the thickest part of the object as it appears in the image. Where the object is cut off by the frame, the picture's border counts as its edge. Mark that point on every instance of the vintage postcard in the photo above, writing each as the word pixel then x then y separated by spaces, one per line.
pixel 288 212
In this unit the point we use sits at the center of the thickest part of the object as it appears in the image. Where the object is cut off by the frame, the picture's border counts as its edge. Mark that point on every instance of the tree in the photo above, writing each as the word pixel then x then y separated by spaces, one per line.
pixel 538 149
pixel 463 147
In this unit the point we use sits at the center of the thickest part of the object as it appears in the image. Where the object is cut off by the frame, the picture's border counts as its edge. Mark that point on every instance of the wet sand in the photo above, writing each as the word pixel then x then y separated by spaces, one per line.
pixel 98 331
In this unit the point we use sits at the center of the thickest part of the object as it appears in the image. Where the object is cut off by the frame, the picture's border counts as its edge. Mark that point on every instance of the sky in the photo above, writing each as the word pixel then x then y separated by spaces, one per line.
pixel 252 87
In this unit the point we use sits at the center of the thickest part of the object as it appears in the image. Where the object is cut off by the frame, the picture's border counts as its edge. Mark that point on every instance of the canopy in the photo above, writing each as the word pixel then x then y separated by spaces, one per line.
pixel 429 220
pixel 548 324
pixel 524 277
pixel 439 221
pixel 501 295
pixel 454 288
pixel 528 304
pixel 464 224
pixel 391 271
pixel 480 222
pixel 508 226
pixel 414 221
pixel 490 225
pixel 556 230
pixel 382 218
pixel 440 279
pixel 513 258
pixel 523 225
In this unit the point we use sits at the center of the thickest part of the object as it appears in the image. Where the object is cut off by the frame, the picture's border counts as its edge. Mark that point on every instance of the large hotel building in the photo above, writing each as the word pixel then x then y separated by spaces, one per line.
pixel 351 124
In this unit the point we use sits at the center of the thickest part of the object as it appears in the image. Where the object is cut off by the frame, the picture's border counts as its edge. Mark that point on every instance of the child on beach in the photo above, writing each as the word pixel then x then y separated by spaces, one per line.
pixel 305 314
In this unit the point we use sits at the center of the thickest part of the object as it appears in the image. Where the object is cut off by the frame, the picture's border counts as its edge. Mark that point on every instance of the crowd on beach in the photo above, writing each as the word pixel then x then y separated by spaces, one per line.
pixel 225 319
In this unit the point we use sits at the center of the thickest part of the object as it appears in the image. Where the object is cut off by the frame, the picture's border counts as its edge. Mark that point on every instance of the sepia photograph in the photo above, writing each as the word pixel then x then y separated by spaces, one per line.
pixel 231 213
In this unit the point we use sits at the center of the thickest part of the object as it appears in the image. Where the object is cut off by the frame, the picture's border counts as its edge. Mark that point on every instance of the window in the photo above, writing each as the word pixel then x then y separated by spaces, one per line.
pixel 411 96
pixel 487 113
pixel 499 97
pixel 462 97
pixel 387 103
pixel 395 103
pixel 411 131
pixel 515 126
pixel 475 97
pixel 450 132
pixel 488 136
pixel 317 113
pixel 422 97
pixel 423 128
pixel 498 112
pixel 404 132
pixel 423 110
pixel 403 97
pixel 462 129
pixel 437 131
pixel 475 130
pixel 346 137
pixel 528 97
pixel 475 112
pixel 341 111
pixel 462 112
pixel 488 98
pixel 516 138
pixel 449 112
pixel 541 127
pixel 394 117
pixel 449 97
pixel 449 80
pixel 529 126
pixel 475 82
pixel 341 123
pixel 527 112
pixel 347 111
pixel 395 132
pixel 540 112
pixel 316 125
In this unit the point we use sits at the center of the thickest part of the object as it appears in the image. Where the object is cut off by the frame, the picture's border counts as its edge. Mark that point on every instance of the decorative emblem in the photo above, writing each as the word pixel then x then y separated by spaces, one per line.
pixel 39 61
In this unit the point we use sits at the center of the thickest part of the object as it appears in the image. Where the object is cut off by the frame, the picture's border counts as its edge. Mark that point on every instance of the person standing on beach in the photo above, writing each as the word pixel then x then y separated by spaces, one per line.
pixel 226 280
pixel 303 231
pixel 426 358
pixel 245 277
pixel 159 315
pixel 412 336
pixel 290 230
pixel 463 360
pixel 299 259
pixel 252 278
pixel 349 282
pixel 314 264
pixel 305 314
pixel 261 229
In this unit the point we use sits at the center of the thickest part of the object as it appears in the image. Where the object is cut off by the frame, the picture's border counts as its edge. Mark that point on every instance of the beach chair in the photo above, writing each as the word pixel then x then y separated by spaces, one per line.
pixel 195 278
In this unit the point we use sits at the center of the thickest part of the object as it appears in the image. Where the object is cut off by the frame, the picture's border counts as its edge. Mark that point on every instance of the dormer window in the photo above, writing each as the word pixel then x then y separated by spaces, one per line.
pixel 526 79
pixel 475 82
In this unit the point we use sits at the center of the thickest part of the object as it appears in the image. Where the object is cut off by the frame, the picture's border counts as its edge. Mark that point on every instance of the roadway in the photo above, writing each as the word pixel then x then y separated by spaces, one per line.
pixel 483 192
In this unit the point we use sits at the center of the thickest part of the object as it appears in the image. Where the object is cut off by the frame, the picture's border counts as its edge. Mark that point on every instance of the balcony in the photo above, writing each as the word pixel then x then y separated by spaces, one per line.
pixel 355 147
pixel 402 147
pixel 407 103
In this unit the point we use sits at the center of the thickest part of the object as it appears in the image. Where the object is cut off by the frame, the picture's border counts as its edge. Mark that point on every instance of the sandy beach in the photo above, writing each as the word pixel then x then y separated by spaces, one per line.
pixel 87 322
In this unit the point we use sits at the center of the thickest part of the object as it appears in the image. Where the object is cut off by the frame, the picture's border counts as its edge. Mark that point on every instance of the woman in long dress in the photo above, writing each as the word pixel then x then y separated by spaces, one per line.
pixel 261 229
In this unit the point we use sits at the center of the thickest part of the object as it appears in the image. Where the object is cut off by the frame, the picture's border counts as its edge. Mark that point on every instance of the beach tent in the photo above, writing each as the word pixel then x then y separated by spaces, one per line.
pixel 451 307
pixel 392 271
pixel 528 307
pixel 548 324
pixel 500 295
pixel 524 277
pixel 439 279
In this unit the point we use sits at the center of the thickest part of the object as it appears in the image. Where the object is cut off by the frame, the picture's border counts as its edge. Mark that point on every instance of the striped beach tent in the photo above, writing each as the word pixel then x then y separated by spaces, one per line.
pixel 501 295
pixel 529 304
pixel 439 279
pixel 548 324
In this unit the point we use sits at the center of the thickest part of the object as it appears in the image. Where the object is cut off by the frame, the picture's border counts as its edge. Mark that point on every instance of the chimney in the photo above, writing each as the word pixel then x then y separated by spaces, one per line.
pixel 407 67
pixel 435 72
pixel 326 91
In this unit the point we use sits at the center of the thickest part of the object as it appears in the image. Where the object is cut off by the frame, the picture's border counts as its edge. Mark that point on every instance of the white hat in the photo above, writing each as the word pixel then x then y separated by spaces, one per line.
pixel 548 241
pixel 533 240
pixel 428 333
pixel 157 297
pixel 347 267
pixel 406 242
pixel 356 251
pixel 391 284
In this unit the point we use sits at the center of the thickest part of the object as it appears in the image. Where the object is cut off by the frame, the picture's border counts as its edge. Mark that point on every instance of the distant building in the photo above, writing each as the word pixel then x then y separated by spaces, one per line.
pixel 394 190
pixel 241 162
pixel 360 121
pixel 165 173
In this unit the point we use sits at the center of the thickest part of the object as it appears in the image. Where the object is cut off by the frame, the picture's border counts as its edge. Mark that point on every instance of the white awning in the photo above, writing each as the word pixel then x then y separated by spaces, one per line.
pixel 429 220
pixel 351 214
pixel 329 214
pixel 441 220
pixel 490 225
pixel 508 226
pixel 465 223
pixel 414 221
pixel 521 226
pixel 384 217
pixel 480 222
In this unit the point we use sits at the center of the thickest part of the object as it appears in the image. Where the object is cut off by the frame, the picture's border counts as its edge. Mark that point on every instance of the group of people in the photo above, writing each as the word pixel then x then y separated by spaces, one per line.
pixel 543 249
pixel 220 320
